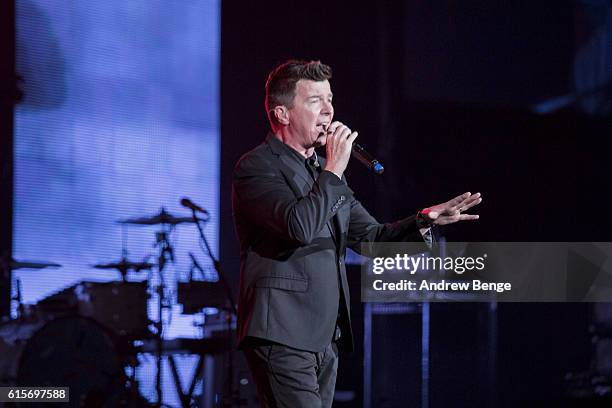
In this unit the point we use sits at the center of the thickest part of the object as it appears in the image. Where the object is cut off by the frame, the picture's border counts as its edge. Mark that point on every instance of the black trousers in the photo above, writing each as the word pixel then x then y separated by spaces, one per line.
pixel 287 377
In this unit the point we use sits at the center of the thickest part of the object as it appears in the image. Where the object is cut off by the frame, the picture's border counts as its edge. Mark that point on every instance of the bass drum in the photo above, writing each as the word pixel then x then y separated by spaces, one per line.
pixel 72 352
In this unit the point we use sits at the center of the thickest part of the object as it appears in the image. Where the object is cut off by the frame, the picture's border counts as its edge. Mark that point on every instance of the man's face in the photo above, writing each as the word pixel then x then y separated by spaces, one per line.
pixel 312 112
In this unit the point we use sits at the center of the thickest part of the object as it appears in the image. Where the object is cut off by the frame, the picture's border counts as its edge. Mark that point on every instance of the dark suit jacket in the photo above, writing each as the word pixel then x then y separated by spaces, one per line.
pixel 293 234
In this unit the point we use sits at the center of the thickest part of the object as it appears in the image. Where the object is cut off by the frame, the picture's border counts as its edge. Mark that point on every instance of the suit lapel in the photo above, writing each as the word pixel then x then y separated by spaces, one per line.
pixel 297 174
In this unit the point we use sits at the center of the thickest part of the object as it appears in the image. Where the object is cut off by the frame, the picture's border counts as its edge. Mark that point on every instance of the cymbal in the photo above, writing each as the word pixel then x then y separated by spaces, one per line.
pixel 163 217
pixel 125 265
pixel 13 264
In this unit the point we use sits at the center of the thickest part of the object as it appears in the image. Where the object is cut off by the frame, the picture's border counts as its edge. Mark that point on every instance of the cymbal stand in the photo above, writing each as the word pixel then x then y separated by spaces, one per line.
pixel 232 397
pixel 124 250
pixel 132 393
pixel 186 398
pixel 166 253
pixel 19 299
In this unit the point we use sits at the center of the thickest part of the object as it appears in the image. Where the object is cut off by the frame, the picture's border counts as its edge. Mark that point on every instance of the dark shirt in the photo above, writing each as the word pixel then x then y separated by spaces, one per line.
pixel 311 163
pixel 313 166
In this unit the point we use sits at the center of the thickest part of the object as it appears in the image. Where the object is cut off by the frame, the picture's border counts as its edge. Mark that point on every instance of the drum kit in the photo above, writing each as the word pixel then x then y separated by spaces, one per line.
pixel 88 336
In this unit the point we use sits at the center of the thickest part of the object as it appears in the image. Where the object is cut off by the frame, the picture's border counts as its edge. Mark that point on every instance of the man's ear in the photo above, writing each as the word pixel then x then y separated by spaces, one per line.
pixel 281 113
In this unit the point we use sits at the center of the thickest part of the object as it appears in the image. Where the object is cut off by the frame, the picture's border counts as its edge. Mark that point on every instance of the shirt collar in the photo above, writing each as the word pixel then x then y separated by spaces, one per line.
pixel 279 145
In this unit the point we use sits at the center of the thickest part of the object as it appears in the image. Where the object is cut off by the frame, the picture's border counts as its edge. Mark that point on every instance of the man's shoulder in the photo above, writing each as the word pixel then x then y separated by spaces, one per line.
pixel 257 159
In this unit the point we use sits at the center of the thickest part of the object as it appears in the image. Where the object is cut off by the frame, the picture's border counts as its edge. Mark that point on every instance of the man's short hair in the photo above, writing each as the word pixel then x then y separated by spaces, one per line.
pixel 280 86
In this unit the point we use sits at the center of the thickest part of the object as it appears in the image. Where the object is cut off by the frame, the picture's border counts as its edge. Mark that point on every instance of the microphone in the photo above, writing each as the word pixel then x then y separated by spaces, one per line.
pixel 367 159
pixel 364 157
pixel 185 202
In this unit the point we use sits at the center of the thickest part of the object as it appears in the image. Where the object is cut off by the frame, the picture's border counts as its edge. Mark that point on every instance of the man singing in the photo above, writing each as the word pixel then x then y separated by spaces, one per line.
pixel 295 216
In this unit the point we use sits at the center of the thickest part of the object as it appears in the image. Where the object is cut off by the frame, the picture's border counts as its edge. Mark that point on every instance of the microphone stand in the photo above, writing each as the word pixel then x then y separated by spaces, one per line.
pixel 231 396
pixel 217 265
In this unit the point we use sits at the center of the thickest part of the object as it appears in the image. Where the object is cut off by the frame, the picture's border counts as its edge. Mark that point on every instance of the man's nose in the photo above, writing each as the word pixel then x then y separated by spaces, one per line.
pixel 328 108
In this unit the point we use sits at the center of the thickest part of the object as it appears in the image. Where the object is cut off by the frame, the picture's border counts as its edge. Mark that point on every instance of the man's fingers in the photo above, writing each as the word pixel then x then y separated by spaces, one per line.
pixel 339 129
pixel 451 219
pixel 352 137
pixel 339 135
pixel 333 126
pixel 464 204
pixel 470 204
pixel 459 199
pixel 453 211
pixel 344 133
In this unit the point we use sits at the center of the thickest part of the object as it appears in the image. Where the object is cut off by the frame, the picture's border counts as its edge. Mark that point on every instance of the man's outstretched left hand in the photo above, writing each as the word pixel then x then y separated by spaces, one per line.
pixel 453 210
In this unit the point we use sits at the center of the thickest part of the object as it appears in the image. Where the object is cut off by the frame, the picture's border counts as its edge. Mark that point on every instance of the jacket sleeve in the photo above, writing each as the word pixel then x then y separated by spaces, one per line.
pixel 263 197
pixel 363 228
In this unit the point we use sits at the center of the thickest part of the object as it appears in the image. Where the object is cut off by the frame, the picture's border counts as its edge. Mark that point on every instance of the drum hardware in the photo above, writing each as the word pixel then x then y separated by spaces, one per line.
pixel 58 353
pixel 166 253
pixel 124 265
pixel 214 295
pixel 18 299
pixel 167 222
pixel 132 385
pixel 163 244
pixel 119 309
pixel 161 218
pixel 197 295
pixel 216 263
pixel 72 351
pixel 25 312
pixel 232 393
pixel 201 347
pixel 195 266
pixel 209 345
pixel 8 264
pixel 61 303
pixel 185 397
pixel 120 305
pixel 13 264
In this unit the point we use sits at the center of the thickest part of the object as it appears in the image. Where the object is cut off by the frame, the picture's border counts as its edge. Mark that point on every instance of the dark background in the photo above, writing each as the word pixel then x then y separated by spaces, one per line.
pixel 441 93
pixel 7 98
